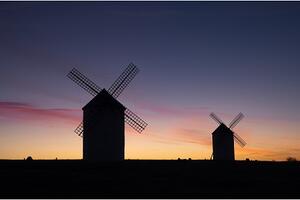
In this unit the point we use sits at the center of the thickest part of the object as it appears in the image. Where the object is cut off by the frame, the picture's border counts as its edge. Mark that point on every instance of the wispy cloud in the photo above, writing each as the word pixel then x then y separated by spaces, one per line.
pixel 168 110
pixel 183 136
pixel 191 135
pixel 25 111
pixel 268 153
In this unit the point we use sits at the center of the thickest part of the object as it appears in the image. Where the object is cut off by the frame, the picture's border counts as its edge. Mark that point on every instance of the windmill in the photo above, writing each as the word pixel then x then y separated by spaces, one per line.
pixel 223 136
pixel 103 128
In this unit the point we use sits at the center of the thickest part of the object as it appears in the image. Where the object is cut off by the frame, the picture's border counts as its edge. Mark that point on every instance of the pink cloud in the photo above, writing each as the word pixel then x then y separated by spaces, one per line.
pixel 268 153
pixel 181 135
pixel 190 135
pixel 169 110
pixel 24 111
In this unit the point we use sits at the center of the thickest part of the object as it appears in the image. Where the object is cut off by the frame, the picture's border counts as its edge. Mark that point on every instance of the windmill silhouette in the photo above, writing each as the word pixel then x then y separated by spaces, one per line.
pixel 223 136
pixel 103 128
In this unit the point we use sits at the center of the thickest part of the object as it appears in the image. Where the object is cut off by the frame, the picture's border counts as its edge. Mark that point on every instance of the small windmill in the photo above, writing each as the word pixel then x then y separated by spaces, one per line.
pixel 223 136
pixel 103 128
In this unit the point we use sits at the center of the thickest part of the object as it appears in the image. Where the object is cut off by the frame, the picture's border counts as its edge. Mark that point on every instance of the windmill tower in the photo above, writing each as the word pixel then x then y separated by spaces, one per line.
pixel 222 138
pixel 103 127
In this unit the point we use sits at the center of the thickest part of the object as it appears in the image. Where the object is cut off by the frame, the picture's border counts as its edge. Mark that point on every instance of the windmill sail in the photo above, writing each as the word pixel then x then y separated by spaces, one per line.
pixel 115 90
pixel 134 121
pixel 79 129
pixel 239 140
pixel 123 80
pixel 84 82
pixel 216 118
pixel 236 120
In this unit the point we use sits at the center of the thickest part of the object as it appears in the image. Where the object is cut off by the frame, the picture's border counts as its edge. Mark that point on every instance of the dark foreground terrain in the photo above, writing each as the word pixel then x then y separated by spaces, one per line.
pixel 149 179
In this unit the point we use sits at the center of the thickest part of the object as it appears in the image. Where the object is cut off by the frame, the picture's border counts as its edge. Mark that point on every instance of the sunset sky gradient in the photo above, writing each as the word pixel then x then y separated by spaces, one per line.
pixel 194 58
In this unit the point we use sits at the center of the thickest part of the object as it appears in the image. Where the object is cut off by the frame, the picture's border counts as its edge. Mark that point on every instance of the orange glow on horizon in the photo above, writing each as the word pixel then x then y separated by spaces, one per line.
pixel 170 137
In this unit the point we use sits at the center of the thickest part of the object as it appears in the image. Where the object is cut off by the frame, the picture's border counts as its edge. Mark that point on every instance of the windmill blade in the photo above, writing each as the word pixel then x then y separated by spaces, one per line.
pixel 123 80
pixel 236 120
pixel 84 82
pixel 79 130
pixel 214 117
pixel 239 140
pixel 134 121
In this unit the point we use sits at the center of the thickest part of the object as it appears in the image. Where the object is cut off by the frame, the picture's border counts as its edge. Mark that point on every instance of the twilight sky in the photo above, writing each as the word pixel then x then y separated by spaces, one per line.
pixel 194 58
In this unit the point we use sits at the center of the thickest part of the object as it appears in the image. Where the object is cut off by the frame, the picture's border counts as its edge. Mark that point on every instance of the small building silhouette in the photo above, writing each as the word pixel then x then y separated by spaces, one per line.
pixel 103 123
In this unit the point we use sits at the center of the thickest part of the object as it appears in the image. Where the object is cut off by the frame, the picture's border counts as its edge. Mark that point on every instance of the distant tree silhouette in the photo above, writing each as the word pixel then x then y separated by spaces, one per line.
pixel 29 158
pixel 291 159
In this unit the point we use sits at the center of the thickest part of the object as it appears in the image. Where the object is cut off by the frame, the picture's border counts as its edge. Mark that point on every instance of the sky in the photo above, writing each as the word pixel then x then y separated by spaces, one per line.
pixel 194 58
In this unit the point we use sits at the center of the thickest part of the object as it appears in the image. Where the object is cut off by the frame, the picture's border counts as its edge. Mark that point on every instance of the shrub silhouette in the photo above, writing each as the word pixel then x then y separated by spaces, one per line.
pixel 291 159
pixel 29 158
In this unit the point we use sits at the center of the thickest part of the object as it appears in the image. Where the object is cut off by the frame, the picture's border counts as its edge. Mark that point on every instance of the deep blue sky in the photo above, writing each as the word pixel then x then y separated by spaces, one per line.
pixel 224 56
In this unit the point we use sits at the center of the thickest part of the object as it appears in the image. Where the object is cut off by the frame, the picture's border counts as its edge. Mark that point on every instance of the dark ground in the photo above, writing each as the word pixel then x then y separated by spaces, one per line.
pixel 149 179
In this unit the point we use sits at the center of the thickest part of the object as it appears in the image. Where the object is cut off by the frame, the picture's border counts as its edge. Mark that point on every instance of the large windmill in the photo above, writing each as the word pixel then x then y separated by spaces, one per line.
pixel 102 128
pixel 223 136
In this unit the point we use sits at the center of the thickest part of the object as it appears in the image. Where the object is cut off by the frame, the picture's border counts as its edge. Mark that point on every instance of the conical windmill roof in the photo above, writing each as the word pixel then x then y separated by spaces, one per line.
pixel 103 98
pixel 222 129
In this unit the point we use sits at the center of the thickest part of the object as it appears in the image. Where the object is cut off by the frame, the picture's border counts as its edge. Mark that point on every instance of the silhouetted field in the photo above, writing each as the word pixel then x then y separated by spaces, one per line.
pixel 149 179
